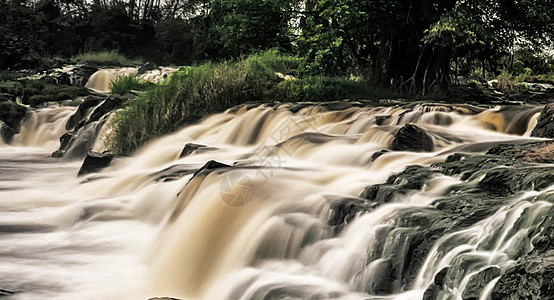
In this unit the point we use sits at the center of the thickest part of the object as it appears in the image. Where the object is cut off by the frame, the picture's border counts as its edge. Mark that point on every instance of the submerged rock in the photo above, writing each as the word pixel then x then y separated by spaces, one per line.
pixel 545 124
pixel 438 287
pixel 412 138
pixel 95 162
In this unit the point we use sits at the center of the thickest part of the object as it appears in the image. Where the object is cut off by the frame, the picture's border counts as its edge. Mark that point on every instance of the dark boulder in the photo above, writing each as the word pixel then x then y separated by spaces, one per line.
pixel 194 148
pixel 82 111
pixel 111 103
pixel 344 210
pixel 146 67
pixel 380 120
pixel 94 162
pixel 81 75
pixel 209 167
pixel 378 154
pixel 412 138
pixel 545 124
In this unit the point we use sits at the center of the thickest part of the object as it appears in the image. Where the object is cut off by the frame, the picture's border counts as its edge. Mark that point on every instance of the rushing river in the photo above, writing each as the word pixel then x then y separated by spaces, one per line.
pixel 147 226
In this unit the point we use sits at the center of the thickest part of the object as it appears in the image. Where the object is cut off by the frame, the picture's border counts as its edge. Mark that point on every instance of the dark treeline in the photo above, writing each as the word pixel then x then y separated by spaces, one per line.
pixel 412 45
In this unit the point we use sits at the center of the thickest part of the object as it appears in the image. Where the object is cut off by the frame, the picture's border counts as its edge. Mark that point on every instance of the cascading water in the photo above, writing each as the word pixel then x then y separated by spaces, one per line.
pixel 283 216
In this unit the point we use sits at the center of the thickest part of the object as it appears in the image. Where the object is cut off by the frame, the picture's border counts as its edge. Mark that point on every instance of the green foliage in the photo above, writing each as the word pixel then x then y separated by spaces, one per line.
pixel 194 92
pixel 105 58
pixel 244 26
pixel 320 88
pixel 123 84
pixel 37 92
pixel 509 84
pixel 541 78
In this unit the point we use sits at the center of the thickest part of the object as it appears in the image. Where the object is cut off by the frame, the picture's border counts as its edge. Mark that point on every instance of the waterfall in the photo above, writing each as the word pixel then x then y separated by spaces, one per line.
pixel 297 203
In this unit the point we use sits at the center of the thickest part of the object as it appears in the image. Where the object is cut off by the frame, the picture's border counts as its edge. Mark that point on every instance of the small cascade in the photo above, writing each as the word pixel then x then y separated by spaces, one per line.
pixel 44 127
pixel 272 202
pixel 100 81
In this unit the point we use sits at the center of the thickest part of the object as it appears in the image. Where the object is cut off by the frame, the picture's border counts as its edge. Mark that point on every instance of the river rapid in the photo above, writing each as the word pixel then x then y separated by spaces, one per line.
pixel 287 217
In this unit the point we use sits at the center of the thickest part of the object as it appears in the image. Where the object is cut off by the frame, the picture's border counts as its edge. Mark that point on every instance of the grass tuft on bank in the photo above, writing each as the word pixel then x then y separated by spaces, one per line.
pixel 105 58
pixel 123 84
pixel 197 91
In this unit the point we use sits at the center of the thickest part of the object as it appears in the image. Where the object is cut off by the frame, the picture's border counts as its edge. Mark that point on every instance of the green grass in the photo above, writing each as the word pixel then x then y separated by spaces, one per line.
pixel 195 92
pixel 123 84
pixel 541 78
pixel 105 58
pixel 321 88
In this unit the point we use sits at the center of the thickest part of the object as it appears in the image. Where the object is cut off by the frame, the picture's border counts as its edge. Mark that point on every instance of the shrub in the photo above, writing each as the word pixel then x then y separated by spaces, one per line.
pixel 509 84
pixel 319 88
pixel 123 84
pixel 105 58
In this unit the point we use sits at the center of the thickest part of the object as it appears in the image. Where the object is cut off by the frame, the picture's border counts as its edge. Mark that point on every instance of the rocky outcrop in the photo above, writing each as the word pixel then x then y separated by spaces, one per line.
pixel 478 282
pixel 95 162
pixel 531 278
pixel 412 138
pixel 85 124
pixel 504 172
pixel 545 124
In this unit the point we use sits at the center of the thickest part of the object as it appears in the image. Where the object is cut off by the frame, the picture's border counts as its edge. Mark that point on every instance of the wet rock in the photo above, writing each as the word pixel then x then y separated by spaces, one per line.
pixel 378 154
pixel 81 74
pixel 545 123
pixel 541 152
pixel 194 148
pixel 94 162
pixel 83 131
pixel 209 167
pixel 380 120
pixel 412 138
pixel 529 278
pixel 82 111
pixel 385 283
pixel 411 179
pixel 478 282
pixel 111 103
pixel 344 210
pixel 146 67
pixel 437 287
pixel 6 293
